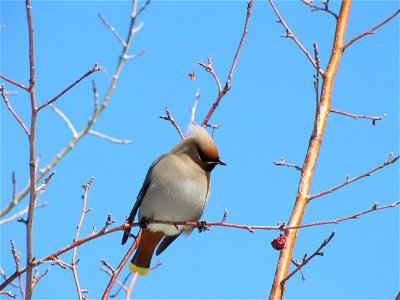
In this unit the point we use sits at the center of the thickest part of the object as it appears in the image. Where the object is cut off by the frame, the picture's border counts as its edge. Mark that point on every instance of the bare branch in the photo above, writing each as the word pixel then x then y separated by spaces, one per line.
pixel 172 120
pixel 9 294
pixel 95 68
pixel 307 260
pixel 21 213
pixel 108 138
pixel 227 87
pixel 283 163
pixel 370 31
pixel 113 30
pixel 316 8
pixel 74 261
pixel 66 120
pixel 54 256
pixel 290 34
pixel 392 159
pixel 5 98
pixel 17 256
pixel 133 56
pixel 193 112
pixel 120 266
pixel 355 116
pixel 14 83
pixel 45 182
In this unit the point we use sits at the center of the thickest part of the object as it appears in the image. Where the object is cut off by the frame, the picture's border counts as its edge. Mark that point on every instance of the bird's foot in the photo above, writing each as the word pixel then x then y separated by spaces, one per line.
pixel 202 226
pixel 144 222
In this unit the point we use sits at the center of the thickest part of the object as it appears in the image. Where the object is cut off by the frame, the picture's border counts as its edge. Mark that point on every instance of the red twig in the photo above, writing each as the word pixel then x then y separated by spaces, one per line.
pixel 92 70
pixel 5 98
pixel 392 159
pixel 356 116
pixel 370 31
pixel 14 83
pixel 289 34
pixel 222 92
pixel 120 266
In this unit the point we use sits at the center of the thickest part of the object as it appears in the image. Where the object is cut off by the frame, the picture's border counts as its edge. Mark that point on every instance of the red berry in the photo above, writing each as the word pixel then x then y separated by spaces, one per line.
pixel 279 242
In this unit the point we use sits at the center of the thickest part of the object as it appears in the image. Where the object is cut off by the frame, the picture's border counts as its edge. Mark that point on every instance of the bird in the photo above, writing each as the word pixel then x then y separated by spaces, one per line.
pixel 175 189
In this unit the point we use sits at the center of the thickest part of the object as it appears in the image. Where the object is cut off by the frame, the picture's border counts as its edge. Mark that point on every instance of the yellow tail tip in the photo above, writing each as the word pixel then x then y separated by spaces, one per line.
pixel 135 269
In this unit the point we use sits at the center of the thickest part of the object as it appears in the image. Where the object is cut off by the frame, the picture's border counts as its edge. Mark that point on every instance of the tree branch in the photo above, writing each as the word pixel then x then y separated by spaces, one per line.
pixel 289 34
pixel 307 260
pixel 355 116
pixel 313 149
pixel 251 228
pixel 172 120
pixel 14 83
pixel 5 98
pixel 227 87
pixel 392 159
pixel 370 31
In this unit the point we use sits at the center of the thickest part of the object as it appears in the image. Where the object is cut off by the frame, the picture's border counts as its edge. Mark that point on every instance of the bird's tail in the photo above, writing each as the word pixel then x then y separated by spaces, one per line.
pixel 141 261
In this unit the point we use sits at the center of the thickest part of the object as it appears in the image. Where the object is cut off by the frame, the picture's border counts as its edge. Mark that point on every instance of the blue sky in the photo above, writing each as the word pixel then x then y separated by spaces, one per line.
pixel 268 114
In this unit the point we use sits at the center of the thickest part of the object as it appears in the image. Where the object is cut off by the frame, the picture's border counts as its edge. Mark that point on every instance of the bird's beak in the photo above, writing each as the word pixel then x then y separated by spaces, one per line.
pixel 219 161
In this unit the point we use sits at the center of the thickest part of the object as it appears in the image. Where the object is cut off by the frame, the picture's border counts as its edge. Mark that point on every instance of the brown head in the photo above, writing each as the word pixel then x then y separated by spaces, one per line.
pixel 201 148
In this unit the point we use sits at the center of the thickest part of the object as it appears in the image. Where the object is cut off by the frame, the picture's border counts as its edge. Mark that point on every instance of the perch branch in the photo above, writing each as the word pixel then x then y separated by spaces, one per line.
pixel 251 228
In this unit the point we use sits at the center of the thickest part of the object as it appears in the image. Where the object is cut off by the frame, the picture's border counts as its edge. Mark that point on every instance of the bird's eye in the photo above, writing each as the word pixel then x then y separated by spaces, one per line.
pixel 201 155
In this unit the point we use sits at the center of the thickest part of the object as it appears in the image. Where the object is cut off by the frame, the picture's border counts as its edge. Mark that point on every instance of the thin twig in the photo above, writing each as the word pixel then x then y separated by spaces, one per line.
pixel 95 68
pixel 307 260
pixel 283 163
pixel 109 138
pixel 316 77
pixel 356 116
pixel 91 121
pixel 370 31
pixel 19 120
pixel 113 30
pixel 120 266
pixel 317 8
pixel 14 83
pixel 131 285
pixel 74 261
pixel 122 286
pixel 193 112
pixel 43 186
pixel 172 120
pixel 392 159
pixel 66 120
pixel 17 256
pixel 133 56
pixel 222 92
pixel 9 294
pixel 290 34
pixel 21 213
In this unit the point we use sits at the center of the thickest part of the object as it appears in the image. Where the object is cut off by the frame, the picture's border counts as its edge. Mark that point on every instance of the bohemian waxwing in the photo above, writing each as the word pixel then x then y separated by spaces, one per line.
pixel 176 189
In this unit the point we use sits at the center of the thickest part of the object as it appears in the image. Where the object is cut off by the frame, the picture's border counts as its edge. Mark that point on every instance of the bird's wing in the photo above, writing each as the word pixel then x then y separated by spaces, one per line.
pixel 167 240
pixel 139 198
